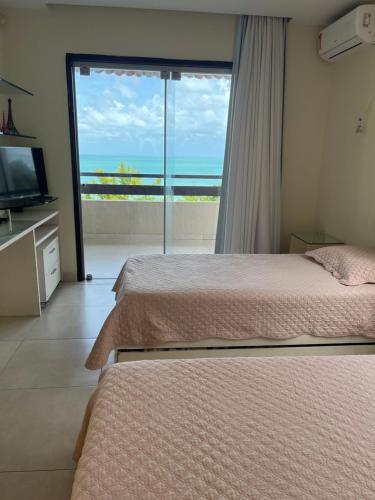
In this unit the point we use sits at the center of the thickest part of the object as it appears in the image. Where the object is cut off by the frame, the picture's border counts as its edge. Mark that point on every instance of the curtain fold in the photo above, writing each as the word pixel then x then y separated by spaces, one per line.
pixel 249 213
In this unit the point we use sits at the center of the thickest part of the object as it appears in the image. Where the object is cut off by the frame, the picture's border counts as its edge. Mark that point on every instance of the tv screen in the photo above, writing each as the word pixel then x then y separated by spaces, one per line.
pixel 18 173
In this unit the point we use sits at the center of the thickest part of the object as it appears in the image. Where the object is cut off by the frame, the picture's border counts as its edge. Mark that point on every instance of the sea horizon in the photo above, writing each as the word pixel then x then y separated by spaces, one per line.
pixel 144 164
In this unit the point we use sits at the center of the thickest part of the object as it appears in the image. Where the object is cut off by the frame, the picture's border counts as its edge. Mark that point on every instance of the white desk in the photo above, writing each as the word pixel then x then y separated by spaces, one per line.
pixel 19 285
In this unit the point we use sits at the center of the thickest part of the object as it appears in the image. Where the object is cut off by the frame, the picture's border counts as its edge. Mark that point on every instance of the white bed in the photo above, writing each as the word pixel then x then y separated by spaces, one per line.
pixel 246 302
pixel 288 428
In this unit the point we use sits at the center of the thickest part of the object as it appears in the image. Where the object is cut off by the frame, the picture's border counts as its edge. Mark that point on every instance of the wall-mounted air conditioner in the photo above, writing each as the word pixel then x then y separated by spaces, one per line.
pixel 351 32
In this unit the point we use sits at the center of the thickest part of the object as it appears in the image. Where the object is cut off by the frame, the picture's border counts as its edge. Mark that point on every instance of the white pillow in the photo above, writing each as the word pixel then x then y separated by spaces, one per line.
pixel 349 264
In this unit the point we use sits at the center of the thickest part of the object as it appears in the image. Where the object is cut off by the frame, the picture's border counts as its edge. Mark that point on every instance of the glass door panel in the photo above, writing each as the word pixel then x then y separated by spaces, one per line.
pixel 196 121
pixel 120 119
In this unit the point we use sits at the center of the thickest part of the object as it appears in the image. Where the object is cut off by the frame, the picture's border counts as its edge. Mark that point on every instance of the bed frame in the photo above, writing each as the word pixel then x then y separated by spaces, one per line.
pixel 304 345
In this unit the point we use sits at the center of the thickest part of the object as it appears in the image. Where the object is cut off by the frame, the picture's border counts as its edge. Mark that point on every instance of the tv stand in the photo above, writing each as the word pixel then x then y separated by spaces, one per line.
pixel 8 221
pixel 21 292
pixel 18 204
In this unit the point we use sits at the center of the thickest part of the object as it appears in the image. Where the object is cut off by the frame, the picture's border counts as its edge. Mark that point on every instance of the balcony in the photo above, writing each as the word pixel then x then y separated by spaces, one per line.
pixel 115 229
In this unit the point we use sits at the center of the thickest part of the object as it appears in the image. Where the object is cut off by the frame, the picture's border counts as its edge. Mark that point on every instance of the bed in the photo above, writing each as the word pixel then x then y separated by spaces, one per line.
pixel 195 302
pixel 255 428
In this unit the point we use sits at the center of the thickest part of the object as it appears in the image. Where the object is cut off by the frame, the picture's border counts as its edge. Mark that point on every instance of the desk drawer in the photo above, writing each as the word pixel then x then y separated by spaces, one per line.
pixel 52 279
pixel 51 254
pixel 48 268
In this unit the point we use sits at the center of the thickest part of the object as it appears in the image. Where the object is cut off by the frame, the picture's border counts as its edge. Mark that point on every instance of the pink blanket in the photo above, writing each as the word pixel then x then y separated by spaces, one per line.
pixel 242 428
pixel 190 297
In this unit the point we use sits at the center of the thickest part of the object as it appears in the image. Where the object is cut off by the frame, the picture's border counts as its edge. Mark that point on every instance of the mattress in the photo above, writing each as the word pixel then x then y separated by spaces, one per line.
pixel 179 298
pixel 240 428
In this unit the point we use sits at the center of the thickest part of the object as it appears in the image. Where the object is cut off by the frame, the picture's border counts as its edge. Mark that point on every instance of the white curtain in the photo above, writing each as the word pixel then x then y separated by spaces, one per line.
pixel 249 214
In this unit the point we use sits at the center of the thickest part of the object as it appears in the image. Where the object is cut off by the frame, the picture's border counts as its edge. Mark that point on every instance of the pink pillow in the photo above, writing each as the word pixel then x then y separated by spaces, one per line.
pixel 350 265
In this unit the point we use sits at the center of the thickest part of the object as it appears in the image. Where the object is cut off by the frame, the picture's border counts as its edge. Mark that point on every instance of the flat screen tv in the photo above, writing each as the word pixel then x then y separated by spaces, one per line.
pixel 22 173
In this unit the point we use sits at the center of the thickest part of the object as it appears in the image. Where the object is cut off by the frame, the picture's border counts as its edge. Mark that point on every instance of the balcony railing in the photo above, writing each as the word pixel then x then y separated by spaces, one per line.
pixel 147 189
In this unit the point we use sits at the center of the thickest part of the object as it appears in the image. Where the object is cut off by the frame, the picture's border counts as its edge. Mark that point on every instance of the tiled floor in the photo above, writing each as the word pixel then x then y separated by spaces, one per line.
pixel 44 389
pixel 104 259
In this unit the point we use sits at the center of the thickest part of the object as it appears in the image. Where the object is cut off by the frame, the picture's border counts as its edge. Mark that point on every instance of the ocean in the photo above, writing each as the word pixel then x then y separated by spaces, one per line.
pixel 154 165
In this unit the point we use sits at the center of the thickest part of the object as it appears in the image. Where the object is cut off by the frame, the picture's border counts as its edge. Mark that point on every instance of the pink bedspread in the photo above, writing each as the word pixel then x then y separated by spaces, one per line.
pixel 190 297
pixel 240 428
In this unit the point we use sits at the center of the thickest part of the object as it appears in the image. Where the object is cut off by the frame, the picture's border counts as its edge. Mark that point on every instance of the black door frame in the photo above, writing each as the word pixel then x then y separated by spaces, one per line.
pixel 74 60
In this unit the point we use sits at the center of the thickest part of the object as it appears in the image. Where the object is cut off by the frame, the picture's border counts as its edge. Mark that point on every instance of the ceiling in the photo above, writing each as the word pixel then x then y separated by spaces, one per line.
pixel 316 12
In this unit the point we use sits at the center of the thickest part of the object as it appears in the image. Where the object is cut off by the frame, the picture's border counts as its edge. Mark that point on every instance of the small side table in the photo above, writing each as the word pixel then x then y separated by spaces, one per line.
pixel 301 242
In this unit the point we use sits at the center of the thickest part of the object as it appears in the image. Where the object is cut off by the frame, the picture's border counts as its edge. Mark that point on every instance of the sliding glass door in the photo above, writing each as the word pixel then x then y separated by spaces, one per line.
pixel 196 121
pixel 170 161
pixel 150 149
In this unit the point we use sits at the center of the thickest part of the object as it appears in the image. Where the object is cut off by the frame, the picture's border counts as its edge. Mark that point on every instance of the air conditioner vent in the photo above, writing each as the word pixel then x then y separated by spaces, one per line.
pixel 351 32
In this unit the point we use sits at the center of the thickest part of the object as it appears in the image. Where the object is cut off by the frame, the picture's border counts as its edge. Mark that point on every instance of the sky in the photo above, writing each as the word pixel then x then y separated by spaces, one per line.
pixel 125 115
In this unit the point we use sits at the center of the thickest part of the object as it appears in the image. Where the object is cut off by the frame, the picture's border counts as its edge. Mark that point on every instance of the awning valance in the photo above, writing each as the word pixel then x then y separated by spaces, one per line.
pixel 85 70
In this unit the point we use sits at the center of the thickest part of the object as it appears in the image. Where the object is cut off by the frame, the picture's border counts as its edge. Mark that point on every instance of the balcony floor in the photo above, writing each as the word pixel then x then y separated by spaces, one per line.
pixel 104 259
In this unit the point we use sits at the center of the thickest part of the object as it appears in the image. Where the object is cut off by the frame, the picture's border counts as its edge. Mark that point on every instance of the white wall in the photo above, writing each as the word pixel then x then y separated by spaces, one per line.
pixel 308 85
pixel 36 44
pixel 2 50
pixel 347 184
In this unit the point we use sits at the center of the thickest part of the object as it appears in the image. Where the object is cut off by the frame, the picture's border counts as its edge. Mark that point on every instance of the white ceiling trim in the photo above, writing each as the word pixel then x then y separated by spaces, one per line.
pixel 314 12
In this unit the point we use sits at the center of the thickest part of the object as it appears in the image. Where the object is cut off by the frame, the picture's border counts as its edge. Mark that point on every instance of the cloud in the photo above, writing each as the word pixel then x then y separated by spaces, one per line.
pixel 133 113
pixel 125 91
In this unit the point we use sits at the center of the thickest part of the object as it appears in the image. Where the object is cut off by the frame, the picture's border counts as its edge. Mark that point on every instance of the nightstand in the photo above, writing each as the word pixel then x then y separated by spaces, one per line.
pixel 301 242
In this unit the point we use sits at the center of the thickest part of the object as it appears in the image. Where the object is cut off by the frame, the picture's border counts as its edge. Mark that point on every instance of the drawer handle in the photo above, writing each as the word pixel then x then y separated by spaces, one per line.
pixel 53 250
pixel 53 272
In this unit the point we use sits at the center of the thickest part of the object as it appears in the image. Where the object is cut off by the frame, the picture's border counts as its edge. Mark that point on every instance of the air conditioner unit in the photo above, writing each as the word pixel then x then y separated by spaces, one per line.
pixel 353 31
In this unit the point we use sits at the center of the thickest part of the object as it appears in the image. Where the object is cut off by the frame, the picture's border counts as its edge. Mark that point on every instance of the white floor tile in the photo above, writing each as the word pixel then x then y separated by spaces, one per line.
pixel 82 295
pixel 44 389
pixel 39 427
pixel 109 282
pixel 7 349
pixel 105 259
pixel 15 328
pixel 69 323
pixel 38 485
pixel 49 363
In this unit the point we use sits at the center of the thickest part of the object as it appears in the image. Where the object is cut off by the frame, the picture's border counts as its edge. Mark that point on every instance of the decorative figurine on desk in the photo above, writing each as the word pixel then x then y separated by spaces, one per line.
pixel 10 123
pixel 4 128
